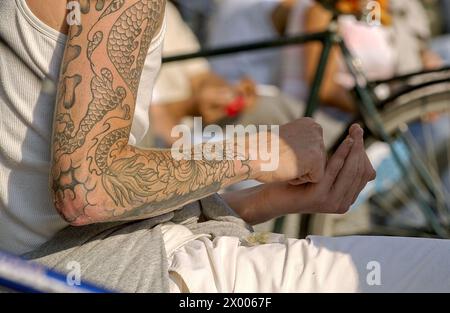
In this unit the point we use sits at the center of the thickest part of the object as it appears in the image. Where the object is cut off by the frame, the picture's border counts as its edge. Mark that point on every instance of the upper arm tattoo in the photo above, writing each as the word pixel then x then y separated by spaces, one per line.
pixel 96 175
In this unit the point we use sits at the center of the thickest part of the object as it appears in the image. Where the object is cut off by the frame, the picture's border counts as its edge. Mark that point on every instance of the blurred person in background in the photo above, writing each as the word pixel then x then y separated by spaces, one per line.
pixel 412 32
pixel 401 45
pixel 398 46
pixel 201 92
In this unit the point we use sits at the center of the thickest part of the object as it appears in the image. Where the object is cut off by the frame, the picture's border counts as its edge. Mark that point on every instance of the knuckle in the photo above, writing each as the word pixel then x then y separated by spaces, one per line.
pixel 372 174
pixel 307 120
pixel 318 128
pixel 368 174
pixel 343 209
pixel 367 177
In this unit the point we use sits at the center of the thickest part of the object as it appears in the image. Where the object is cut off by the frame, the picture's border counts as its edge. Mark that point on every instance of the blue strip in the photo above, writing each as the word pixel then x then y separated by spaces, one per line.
pixel 51 277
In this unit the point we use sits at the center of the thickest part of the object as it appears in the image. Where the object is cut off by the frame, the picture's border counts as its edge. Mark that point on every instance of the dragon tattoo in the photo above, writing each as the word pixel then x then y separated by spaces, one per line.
pixel 137 177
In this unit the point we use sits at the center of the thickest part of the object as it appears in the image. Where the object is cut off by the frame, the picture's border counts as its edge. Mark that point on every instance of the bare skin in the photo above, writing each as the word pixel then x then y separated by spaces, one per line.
pixel 346 174
pixel 98 177
pixel 281 14
pixel 54 17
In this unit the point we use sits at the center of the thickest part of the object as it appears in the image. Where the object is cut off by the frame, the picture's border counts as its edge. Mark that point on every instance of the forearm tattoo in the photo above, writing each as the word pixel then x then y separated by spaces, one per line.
pixel 96 175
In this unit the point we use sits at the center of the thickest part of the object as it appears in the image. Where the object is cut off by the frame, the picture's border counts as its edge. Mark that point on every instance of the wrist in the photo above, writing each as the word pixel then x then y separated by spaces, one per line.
pixel 250 204
pixel 262 156
pixel 252 155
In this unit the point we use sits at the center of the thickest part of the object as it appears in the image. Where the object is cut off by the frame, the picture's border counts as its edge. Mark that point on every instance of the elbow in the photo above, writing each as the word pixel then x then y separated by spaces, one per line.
pixel 70 204
pixel 69 192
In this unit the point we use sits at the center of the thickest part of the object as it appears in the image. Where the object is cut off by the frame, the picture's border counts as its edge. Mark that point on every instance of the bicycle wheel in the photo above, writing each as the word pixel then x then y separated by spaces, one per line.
pixel 417 205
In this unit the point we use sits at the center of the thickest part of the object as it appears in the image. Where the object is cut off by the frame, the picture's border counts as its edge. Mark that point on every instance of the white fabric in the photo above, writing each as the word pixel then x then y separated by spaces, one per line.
pixel 173 83
pixel 152 65
pixel 412 31
pixel 30 57
pixel 175 236
pixel 370 44
pixel 317 264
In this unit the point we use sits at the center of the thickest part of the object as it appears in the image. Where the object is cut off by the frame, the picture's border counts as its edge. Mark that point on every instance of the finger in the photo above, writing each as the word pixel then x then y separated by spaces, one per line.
pixel 369 175
pixel 353 191
pixel 299 181
pixel 345 180
pixel 360 179
pixel 362 184
pixel 359 191
pixel 354 130
pixel 337 161
pixel 318 169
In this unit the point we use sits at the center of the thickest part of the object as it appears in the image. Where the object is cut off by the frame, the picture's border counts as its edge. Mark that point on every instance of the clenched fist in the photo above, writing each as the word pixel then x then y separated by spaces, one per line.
pixel 301 151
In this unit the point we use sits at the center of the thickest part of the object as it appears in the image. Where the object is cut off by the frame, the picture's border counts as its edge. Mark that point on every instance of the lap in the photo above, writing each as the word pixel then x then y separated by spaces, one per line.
pixel 316 264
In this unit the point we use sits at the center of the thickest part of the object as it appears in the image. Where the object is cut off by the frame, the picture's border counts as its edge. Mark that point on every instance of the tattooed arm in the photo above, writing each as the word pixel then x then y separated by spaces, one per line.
pixel 96 175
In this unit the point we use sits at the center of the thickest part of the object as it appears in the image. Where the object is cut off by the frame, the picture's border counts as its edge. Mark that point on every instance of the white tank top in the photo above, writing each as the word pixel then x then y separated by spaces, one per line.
pixel 30 56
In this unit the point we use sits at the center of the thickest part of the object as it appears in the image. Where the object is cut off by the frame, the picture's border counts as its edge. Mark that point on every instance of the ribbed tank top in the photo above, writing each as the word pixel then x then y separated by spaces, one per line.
pixel 30 57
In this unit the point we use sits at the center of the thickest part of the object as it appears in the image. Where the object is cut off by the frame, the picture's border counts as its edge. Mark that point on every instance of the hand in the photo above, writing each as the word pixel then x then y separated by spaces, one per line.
pixel 212 101
pixel 214 98
pixel 246 88
pixel 347 173
pixel 302 156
